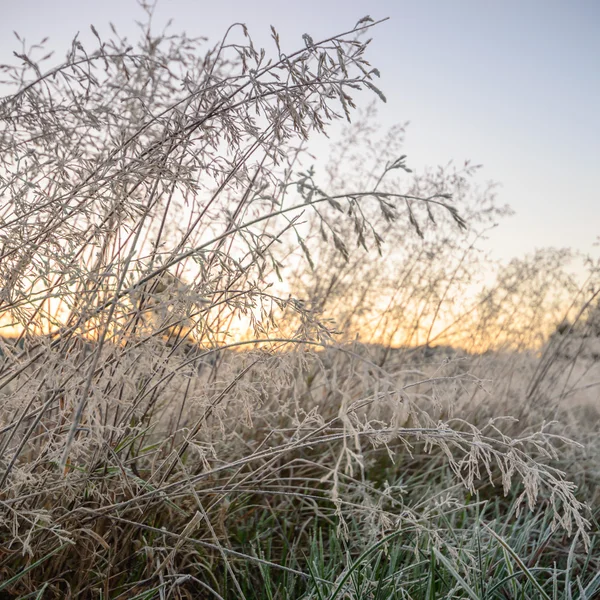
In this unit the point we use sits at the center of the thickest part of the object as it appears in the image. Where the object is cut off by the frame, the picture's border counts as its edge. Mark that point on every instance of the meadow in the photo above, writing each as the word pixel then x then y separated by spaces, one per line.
pixel 228 371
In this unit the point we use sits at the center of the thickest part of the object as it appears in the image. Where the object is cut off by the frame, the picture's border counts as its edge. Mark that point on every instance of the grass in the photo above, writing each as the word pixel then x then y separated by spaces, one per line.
pixel 286 524
pixel 185 409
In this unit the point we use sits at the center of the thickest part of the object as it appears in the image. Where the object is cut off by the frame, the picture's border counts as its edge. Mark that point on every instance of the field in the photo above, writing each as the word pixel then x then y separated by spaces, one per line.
pixel 226 373
pixel 308 475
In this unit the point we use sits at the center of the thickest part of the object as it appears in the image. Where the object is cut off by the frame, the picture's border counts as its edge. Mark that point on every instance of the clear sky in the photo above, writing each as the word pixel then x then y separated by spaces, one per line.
pixel 511 84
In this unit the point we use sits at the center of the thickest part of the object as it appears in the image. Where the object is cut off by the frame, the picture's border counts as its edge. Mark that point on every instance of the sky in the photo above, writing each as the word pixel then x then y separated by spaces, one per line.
pixel 513 85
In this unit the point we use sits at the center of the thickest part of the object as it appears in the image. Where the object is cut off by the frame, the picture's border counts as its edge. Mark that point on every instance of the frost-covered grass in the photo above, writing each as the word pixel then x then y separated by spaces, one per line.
pixel 185 411
pixel 318 475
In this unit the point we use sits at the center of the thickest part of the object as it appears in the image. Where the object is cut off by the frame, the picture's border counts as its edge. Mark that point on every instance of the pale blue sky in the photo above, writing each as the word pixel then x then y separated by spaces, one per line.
pixel 511 84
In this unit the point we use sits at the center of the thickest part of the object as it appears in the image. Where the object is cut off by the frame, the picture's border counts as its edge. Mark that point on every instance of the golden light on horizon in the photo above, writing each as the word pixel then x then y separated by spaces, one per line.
pixel 222 326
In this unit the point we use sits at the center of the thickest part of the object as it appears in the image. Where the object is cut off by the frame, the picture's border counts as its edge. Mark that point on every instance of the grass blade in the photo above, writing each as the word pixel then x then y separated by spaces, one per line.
pixel 520 563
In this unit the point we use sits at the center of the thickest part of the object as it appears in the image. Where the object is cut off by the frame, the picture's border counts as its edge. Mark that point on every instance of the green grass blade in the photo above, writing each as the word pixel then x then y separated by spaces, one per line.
pixel 457 576
pixel 26 570
pixel 359 560
pixel 591 588
pixel 520 563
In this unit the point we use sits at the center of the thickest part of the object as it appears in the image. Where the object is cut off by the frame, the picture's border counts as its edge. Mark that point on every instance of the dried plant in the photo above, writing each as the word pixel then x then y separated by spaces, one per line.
pixel 146 195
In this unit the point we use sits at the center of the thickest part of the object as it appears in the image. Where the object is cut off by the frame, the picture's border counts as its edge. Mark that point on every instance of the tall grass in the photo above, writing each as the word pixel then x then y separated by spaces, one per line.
pixel 181 416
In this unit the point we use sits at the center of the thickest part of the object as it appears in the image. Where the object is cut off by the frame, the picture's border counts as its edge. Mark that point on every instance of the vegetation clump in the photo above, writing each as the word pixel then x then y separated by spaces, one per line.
pixel 186 410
